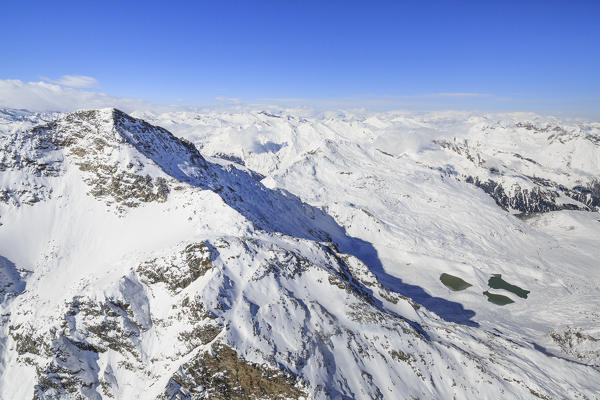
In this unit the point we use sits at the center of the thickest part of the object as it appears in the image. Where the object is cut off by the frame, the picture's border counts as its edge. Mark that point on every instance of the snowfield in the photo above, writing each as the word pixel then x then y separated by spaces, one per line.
pixel 284 254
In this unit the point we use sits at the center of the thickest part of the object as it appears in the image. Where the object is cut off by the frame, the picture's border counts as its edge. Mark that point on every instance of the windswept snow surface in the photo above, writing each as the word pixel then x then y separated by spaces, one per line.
pixel 285 254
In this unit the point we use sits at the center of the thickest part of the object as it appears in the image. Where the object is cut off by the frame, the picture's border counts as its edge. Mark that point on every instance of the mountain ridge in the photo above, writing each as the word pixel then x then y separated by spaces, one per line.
pixel 226 284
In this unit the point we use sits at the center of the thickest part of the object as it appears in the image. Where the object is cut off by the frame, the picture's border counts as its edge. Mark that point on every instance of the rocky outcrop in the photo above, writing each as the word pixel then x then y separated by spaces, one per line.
pixel 516 191
pixel 221 374
pixel 541 198
pixel 125 161
pixel 178 271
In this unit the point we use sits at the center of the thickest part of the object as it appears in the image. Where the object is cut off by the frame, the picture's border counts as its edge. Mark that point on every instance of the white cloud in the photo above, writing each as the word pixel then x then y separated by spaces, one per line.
pixel 46 96
pixel 43 96
pixel 75 81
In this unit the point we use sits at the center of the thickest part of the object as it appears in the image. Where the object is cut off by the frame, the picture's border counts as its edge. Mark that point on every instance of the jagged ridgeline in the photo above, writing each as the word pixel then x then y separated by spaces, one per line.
pixel 132 266
pixel 101 144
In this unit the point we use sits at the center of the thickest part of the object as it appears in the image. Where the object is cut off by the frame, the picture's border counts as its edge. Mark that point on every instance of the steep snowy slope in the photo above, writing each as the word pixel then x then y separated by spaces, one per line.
pixel 133 266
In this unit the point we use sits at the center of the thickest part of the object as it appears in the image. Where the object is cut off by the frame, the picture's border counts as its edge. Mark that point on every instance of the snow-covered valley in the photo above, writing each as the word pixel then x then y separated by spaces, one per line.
pixel 287 254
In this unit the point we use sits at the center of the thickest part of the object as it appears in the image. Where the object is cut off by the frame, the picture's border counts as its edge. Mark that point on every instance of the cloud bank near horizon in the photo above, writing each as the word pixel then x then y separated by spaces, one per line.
pixel 73 92
pixel 44 96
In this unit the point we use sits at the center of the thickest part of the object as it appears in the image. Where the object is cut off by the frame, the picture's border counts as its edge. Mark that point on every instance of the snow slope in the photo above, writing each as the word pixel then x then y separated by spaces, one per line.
pixel 298 256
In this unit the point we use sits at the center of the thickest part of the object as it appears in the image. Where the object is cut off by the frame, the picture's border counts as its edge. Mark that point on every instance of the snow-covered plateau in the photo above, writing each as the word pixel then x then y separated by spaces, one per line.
pixel 284 254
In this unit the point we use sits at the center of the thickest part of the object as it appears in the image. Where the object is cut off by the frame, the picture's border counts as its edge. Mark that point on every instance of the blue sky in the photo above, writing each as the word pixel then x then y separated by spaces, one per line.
pixel 500 56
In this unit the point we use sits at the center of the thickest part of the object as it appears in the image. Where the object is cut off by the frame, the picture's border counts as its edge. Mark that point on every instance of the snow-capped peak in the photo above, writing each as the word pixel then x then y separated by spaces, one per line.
pixel 361 260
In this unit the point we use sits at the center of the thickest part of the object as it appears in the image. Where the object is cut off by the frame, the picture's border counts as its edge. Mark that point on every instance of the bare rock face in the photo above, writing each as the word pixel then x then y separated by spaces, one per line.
pixel 178 272
pixel 220 373
pixel 124 161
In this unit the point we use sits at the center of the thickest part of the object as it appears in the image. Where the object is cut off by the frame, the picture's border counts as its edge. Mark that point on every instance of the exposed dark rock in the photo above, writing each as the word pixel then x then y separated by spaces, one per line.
pixel 523 200
pixel 540 198
pixel 223 374
pixel 88 138
pixel 179 273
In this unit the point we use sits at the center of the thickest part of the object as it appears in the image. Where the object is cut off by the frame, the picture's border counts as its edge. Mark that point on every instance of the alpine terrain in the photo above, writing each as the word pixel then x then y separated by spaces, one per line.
pixel 284 254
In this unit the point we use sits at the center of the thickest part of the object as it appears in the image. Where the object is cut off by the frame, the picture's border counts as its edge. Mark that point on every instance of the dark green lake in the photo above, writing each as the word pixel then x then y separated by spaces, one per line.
pixel 498 299
pixel 496 282
pixel 454 282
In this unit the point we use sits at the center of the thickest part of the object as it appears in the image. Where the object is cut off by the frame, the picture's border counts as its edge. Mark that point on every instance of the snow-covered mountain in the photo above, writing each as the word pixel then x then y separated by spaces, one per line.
pixel 285 255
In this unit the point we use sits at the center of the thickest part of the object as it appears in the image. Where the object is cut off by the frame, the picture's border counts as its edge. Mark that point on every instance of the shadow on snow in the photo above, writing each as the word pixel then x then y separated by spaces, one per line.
pixel 279 211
